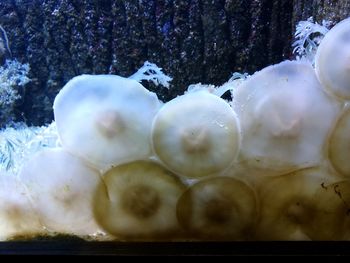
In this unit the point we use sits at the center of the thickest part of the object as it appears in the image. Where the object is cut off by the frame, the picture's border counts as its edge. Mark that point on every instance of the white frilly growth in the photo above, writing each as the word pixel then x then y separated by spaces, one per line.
pixel 308 36
pixel 151 72
pixel 13 75
pixel 236 80
pixel 18 144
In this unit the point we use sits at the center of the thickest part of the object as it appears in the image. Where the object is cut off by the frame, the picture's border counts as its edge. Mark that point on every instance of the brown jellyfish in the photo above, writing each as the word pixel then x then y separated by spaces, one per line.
pixel 137 201
pixel 303 205
pixel 220 208
pixel 339 144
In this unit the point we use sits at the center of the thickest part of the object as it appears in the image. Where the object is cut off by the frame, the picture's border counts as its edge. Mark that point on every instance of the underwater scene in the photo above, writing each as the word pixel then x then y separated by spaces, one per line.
pixel 169 120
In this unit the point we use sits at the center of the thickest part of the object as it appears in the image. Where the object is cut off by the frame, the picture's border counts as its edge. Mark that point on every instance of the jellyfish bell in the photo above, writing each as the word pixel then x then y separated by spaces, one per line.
pixel 334 200
pixel 332 61
pixel 196 134
pixel 303 206
pixel 285 117
pixel 219 208
pixel 61 186
pixel 105 119
pixel 18 219
pixel 283 112
pixel 137 201
pixel 339 144
pixel 109 124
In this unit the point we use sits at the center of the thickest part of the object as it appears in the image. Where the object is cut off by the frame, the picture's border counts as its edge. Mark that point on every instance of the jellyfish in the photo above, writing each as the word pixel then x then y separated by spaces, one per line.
pixel 285 117
pixel 310 204
pixel 105 119
pixel 219 208
pixel 60 187
pixel 332 61
pixel 137 201
pixel 196 134
pixel 18 219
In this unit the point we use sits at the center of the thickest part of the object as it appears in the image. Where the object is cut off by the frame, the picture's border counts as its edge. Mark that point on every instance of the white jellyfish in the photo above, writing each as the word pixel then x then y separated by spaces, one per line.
pixel 332 60
pixel 196 134
pixel 105 119
pixel 61 187
pixel 18 219
pixel 285 117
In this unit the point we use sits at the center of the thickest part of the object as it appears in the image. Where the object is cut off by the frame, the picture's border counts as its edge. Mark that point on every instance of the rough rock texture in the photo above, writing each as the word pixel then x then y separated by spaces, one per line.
pixel 193 41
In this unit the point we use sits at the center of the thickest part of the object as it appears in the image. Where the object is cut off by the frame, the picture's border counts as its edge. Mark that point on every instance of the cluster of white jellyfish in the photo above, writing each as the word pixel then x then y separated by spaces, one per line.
pixel 272 164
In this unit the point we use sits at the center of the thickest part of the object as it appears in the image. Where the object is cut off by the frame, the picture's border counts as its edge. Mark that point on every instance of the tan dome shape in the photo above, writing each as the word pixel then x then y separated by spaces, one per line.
pixel 339 144
pixel 137 201
pixel 303 206
pixel 105 119
pixel 196 134
pixel 332 60
pixel 219 208
pixel 61 187
pixel 285 117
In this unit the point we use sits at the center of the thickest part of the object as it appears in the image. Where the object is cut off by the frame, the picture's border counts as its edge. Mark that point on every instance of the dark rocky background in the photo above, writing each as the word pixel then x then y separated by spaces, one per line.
pixel 193 41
